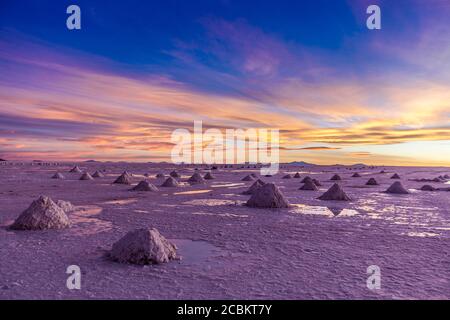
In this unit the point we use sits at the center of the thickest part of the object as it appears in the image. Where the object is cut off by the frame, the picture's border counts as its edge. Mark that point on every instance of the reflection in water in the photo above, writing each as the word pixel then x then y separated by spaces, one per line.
pixel 323 211
pixel 84 222
pixel 192 192
pixel 213 202
pixel 228 185
pixel 120 201
pixel 195 252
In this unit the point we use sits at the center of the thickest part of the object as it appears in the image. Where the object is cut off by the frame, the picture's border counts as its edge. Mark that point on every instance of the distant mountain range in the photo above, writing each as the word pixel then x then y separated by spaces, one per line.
pixel 302 163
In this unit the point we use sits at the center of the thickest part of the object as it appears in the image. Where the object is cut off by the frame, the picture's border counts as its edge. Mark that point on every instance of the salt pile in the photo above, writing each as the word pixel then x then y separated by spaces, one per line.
pixel 196 178
pixel 75 169
pixel 57 176
pixel 372 182
pixel 395 176
pixel 248 178
pixel 258 183
pixel 124 178
pixel 42 214
pixel 309 185
pixel 86 176
pixel 288 176
pixel 335 193
pixel 98 174
pixel 208 176
pixel 175 174
pixel 297 175
pixel 144 186
pixel 160 175
pixel 356 175
pixel 336 177
pixel 170 182
pixel 397 188
pixel 143 246
pixel 427 187
pixel 268 196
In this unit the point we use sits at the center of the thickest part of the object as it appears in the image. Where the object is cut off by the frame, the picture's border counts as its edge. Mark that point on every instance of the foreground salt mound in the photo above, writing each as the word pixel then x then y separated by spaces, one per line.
pixel 397 188
pixel 86 176
pixel 170 182
pixel 258 183
pixel 336 177
pixel 75 169
pixel 124 178
pixel 208 176
pixel 335 193
pixel 143 246
pixel 175 174
pixel 268 196
pixel 42 214
pixel 144 186
pixel 248 178
pixel 196 178
pixel 395 176
pixel 372 182
pixel 297 175
pixel 57 176
pixel 98 174
pixel 309 185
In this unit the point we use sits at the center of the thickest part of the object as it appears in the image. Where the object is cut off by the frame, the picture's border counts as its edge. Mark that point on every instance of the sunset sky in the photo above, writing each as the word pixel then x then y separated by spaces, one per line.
pixel 137 70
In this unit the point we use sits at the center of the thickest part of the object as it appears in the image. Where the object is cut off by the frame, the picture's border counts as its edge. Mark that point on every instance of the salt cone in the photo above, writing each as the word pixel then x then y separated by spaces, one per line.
pixel 335 193
pixel 268 196
pixel 160 175
pixel 356 175
pixel 124 178
pixel 57 176
pixel 143 246
pixel 288 176
pixel 75 169
pixel 336 177
pixel 297 175
pixel 208 176
pixel 306 179
pixel 248 178
pixel 175 174
pixel 86 176
pixel 309 185
pixel 144 186
pixel 397 188
pixel 395 176
pixel 372 182
pixel 170 182
pixel 258 183
pixel 427 187
pixel 42 214
pixel 98 174
pixel 196 178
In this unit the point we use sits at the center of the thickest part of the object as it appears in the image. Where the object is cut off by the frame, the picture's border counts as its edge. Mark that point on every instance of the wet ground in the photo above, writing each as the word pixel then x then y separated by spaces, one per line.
pixel 313 250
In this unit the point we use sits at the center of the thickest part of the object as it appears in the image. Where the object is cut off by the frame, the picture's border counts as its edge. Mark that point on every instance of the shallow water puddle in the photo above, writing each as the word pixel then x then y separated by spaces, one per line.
pixel 323 211
pixel 84 222
pixel 213 202
pixel 120 201
pixel 229 215
pixel 195 252
pixel 192 192
pixel 228 185
pixel 422 234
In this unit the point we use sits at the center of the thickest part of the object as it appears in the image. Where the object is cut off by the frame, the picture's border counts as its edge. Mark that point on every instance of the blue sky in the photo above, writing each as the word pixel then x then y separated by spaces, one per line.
pixel 310 68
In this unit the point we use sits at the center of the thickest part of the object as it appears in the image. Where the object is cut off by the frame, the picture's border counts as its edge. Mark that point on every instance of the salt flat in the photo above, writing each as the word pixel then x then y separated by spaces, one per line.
pixel 313 250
